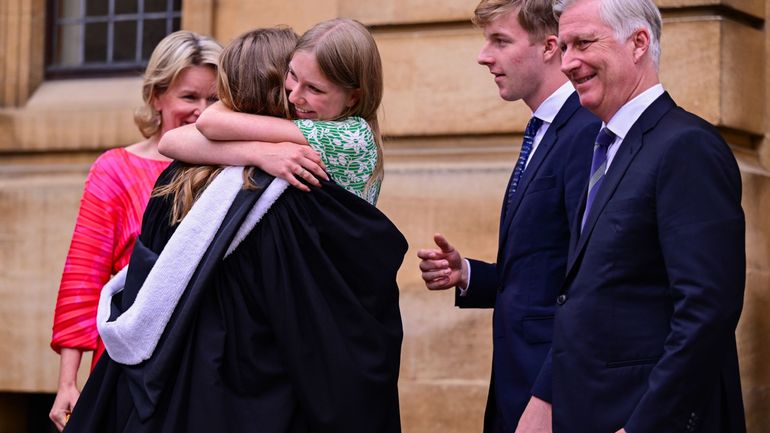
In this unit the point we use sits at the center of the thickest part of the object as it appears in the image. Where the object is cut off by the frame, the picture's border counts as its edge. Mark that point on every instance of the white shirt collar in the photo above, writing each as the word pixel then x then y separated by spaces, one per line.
pixel 549 108
pixel 629 113
pixel 546 112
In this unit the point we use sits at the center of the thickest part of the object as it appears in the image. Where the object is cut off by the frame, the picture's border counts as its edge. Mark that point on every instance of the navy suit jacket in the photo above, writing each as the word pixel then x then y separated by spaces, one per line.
pixel 531 261
pixel 646 337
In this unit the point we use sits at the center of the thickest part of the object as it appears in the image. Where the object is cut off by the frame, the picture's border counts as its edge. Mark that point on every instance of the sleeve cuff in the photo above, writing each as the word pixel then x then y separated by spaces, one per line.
pixel 462 291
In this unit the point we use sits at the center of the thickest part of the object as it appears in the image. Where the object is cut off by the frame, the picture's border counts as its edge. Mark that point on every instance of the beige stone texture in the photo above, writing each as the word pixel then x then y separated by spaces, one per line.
pixel 754 327
pixel 752 346
pixel 743 78
pixel 407 11
pixel 433 85
pixel 446 355
pixel 198 16
pixel 21 49
pixel 752 7
pixel 74 115
pixel 233 17
pixel 700 57
pixel 38 203
pixel 763 147
pixel 442 407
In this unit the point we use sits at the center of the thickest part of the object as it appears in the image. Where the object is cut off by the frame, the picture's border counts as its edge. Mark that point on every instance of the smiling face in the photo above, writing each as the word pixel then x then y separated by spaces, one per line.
pixel 313 95
pixel 606 72
pixel 514 61
pixel 190 93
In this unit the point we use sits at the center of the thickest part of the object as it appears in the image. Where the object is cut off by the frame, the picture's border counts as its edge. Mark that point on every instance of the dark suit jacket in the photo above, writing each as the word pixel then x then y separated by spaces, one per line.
pixel 532 257
pixel 654 288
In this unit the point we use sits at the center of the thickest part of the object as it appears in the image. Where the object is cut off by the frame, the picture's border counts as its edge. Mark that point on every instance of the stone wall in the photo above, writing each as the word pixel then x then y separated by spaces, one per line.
pixel 448 157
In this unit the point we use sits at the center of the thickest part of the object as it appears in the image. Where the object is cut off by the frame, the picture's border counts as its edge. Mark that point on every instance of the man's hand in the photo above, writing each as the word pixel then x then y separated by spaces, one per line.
pixel 291 162
pixel 536 417
pixel 621 431
pixel 444 267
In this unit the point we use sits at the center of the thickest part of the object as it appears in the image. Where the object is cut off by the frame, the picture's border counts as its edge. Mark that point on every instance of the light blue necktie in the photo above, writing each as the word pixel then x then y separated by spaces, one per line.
pixel 598 166
pixel 533 126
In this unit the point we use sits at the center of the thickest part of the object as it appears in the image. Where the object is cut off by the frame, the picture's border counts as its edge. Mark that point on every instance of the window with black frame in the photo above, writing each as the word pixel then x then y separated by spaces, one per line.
pixel 106 37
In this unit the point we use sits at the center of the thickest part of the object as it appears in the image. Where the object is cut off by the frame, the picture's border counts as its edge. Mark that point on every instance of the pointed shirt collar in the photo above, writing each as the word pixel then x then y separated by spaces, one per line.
pixel 628 114
pixel 549 108
pixel 625 118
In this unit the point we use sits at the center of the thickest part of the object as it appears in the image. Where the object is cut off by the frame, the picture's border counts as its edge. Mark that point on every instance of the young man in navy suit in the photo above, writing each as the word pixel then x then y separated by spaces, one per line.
pixel 644 337
pixel 522 54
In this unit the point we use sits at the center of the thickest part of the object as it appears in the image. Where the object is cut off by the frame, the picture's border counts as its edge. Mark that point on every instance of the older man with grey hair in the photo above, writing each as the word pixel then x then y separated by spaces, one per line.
pixel 644 335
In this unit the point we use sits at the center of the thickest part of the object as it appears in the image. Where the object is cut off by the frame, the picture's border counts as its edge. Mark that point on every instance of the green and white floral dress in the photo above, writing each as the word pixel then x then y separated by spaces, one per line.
pixel 348 149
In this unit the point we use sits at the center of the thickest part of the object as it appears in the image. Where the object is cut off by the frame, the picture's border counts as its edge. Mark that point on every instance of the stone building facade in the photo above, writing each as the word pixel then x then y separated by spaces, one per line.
pixel 451 145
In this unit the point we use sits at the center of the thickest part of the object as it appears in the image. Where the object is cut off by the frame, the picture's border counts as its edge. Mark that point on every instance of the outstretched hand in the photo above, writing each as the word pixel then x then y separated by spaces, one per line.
pixel 293 163
pixel 444 267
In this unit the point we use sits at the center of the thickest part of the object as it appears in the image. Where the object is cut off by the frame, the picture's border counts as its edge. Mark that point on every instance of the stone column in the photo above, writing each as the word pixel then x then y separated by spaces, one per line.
pixel 22 37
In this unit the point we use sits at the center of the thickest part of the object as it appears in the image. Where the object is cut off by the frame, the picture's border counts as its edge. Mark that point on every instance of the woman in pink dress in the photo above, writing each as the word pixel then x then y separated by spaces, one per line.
pixel 179 83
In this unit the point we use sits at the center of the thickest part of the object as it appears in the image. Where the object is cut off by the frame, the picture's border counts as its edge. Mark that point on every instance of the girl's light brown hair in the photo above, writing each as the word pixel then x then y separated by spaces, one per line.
pixel 348 56
pixel 251 78
pixel 175 52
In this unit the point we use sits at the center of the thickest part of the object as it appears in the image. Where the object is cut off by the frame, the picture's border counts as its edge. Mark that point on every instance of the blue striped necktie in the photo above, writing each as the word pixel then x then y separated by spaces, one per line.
pixel 526 148
pixel 598 167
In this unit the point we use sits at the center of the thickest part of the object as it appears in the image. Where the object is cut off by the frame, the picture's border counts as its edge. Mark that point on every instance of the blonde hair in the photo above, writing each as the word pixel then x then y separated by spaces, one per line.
pixel 174 53
pixel 251 78
pixel 348 56
pixel 536 17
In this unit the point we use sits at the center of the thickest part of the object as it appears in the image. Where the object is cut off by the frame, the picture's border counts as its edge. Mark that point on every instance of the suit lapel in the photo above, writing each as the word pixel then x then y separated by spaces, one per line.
pixel 571 105
pixel 630 146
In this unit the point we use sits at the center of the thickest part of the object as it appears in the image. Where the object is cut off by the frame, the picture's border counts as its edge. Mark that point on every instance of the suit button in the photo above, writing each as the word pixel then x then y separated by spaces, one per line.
pixel 561 299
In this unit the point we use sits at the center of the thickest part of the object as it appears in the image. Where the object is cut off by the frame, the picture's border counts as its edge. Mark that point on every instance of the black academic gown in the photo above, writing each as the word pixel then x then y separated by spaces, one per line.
pixel 298 330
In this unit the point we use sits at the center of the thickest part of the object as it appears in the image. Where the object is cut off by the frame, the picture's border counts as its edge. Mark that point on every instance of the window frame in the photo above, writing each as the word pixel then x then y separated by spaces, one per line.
pixel 109 67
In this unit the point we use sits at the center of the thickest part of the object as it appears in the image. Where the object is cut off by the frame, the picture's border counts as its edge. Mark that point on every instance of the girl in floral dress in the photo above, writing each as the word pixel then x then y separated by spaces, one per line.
pixel 335 87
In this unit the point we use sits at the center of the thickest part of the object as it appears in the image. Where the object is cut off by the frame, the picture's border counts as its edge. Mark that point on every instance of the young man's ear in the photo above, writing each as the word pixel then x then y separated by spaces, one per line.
pixel 551 47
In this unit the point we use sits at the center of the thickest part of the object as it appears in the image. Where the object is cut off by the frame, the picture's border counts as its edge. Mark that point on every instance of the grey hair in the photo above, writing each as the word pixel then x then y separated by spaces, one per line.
pixel 626 16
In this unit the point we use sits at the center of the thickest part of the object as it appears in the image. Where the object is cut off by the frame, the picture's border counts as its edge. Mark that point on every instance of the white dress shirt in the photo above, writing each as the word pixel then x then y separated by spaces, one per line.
pixel 626 116
pixel 546 112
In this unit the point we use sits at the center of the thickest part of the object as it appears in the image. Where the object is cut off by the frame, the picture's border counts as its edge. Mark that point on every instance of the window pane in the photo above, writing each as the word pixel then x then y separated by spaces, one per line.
pixel 96 42
pixel 67 52
pixel 155 5
pixel 69 9
pixel 125 6
pixel 97 7
pixel 154 31
pixel 97 36
pixel 124 44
